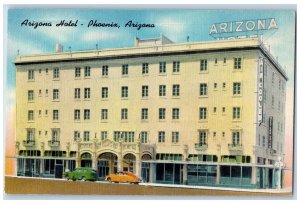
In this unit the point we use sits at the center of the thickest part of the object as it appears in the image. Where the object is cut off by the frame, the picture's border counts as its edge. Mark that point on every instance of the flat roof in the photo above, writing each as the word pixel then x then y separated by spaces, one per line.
pixel 149 51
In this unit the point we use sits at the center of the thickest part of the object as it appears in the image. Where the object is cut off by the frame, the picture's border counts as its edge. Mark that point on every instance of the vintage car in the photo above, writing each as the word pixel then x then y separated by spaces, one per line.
pixel 123 177
pixel 83 174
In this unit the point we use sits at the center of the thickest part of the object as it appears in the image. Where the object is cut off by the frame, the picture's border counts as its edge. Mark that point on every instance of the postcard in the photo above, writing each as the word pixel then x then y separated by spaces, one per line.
pixel 149 102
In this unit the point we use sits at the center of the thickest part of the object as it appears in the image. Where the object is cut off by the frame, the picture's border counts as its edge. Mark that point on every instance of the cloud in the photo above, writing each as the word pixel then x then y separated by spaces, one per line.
pixel 24 47
pixel 172 27
pixel 94 36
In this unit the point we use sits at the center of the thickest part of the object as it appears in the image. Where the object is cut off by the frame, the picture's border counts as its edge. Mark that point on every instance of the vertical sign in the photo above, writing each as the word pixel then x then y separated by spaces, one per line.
pixel 270 136
pixel 260 90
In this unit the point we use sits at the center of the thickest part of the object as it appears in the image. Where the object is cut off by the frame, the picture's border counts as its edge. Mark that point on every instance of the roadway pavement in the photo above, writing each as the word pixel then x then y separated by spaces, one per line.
pixel 50 186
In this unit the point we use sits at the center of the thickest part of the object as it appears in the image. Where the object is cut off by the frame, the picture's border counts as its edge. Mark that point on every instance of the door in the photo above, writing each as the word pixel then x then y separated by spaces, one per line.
pixel 58 171
pixel 103 169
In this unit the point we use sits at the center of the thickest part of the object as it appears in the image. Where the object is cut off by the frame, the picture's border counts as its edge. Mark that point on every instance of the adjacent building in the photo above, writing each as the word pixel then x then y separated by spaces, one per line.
pixel 196 113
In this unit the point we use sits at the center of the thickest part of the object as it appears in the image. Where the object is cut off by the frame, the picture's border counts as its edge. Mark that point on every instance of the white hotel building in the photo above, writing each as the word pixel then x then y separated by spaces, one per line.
pixel 197 113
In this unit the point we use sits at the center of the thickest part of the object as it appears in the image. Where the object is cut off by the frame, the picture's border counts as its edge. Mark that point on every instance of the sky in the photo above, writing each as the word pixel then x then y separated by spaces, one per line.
pixel 175 24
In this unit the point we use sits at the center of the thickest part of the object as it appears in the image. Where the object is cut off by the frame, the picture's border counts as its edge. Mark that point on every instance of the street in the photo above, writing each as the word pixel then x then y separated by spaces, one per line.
pixel 18 185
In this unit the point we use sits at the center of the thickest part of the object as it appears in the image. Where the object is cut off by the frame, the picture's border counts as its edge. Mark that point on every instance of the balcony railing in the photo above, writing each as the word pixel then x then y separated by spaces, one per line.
pixel 235 147
pixel 200 146
pixel 53 143
pixel 28 143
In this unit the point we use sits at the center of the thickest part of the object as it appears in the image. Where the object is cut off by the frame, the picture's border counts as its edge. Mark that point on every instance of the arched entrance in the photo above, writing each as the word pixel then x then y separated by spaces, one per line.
pixel 86 160
pixel 129 162
pixel 107 164
pixel 146 167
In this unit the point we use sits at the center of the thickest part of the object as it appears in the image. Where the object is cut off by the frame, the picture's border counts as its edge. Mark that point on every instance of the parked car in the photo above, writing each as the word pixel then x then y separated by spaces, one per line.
pixel 123 176
pixel 83 174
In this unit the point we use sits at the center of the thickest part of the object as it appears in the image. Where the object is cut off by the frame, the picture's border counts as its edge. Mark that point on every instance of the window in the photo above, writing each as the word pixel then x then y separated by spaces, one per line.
pixel 215 109
pixel 30 95
pixel 224 85
pixel 237 63
pixel 30 134
pixel 87 93
pixel 40 92
pixel 162 90
pixel 223 134
pixel 236 138
pixel 55 94
pixel 203 89
pixel 216 61
pixel 46 112
pixel 128 136
pixel 162 113
pixel 77 93
pixel 46 92
pixel 215 85
pixel 105 70
pixel 56 73
pixel 223 109
pixel 87 71
pixel 124 93
pixel 86 136
pixel 144 91
pixel 103 135
pixel 236 113
pixel 273 77
pixel 203 113
pixel 175 113
pixel 176 90
pixel 30 115
pixel 175 137
pixel 145 69
pixel 125 69
pixel 144 137
pixel 86 114
pixel 31 74
pixel 104 93
pixel 104 114
pixel 40 71
pixel 214 134
pixel 272 101
pixel 76 114
pixel 263 141
pixel 176 66
pixel 76 135
pixel 40 112
pixel 55 115
pixel 236 88
pixel 55 135
pixel 224 60
pixel 124 114
pixel 162 67
pixel 161 136
pixel 203 65
pixel 279 84
pixel 202 137
pixel 77 71
pixel 144 115
pixel 46 70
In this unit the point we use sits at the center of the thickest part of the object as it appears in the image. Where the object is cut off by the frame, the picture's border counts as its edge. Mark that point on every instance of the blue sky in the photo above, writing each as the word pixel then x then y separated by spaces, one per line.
pixel 175 24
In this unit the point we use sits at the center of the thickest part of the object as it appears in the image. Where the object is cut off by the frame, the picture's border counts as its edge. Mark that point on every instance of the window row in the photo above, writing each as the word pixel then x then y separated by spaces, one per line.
pixel 145 68
pixel 203 114
pixel 203 91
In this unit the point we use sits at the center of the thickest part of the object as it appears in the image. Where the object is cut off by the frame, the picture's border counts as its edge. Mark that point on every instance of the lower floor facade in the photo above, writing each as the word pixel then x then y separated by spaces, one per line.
pixel 158 171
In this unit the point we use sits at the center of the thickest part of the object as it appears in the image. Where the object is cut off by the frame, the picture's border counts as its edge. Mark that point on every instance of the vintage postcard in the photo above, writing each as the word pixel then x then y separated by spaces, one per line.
pixel 149 102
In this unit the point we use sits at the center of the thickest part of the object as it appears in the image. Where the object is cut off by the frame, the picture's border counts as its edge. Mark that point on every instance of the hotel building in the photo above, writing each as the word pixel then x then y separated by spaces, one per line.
pixel 197 113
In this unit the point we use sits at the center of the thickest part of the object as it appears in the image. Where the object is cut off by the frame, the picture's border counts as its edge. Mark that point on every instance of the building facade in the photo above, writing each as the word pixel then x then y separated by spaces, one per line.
pixel 203 113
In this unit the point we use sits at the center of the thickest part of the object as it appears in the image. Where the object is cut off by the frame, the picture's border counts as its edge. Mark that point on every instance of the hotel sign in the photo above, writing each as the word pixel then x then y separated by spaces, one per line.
pixel 243 28
pixel 260 90
pixel 270 137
